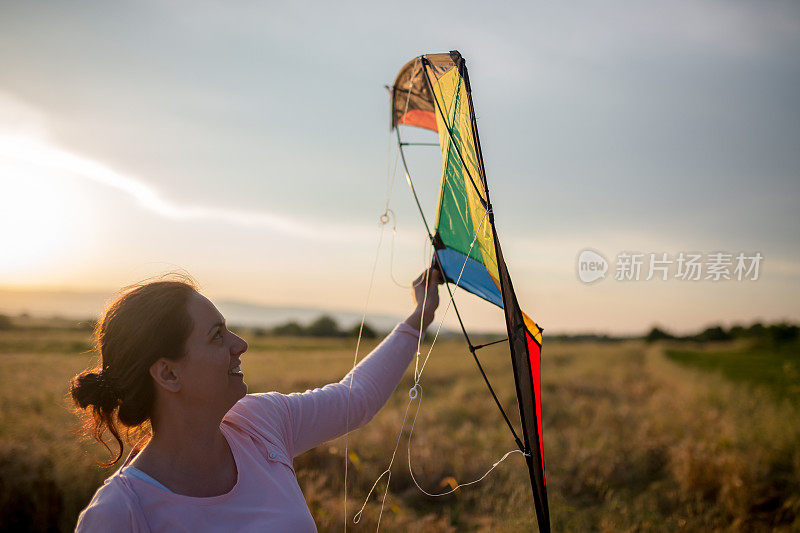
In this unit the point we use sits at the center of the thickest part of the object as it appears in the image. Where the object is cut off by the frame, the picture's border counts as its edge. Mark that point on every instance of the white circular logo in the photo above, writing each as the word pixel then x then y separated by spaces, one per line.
pixel 591 266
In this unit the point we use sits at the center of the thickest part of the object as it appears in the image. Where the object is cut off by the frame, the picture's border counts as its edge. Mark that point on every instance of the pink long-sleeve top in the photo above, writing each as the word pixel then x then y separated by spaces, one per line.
pixel 264 431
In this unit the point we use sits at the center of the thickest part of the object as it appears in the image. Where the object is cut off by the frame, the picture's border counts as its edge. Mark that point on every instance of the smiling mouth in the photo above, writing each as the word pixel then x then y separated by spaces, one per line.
pixel 236 371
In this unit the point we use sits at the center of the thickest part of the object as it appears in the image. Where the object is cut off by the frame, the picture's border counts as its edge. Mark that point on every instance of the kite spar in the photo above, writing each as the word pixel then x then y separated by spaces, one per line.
pixel 433 92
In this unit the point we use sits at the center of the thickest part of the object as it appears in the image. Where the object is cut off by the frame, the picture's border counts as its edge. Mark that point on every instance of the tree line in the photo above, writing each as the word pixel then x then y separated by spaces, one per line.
pixel 324 326
pixel 768 334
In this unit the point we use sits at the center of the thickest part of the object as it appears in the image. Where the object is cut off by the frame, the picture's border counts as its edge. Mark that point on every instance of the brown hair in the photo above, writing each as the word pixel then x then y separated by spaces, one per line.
pixel 148 321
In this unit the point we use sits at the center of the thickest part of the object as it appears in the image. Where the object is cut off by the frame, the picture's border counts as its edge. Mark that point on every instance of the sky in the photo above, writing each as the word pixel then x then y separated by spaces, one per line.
pixel 248 144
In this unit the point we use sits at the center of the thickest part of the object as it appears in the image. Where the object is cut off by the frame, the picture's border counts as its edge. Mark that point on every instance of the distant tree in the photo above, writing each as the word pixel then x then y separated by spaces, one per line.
pixel 713 334
pixel 756 330
pixel 781 333
pixel 737 331
pixel 259 332
pixel 657 334
pixel 324 326
pixel 289 329
pixel 6 323
pixel 366 333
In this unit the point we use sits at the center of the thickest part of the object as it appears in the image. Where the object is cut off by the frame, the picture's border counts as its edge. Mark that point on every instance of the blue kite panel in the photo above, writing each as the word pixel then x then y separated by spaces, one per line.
pixel 475 279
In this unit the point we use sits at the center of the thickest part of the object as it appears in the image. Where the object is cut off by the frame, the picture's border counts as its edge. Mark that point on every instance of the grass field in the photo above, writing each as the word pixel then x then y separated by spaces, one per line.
pixel 634 440
pixel 776 368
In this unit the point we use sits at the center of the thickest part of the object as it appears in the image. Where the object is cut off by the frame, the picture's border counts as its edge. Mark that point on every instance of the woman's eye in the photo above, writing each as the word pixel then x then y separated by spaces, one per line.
pixel 218 335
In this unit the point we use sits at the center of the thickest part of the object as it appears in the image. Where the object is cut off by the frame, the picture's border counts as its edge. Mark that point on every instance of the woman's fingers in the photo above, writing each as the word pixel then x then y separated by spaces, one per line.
pixel 426 297
pixel 437 275
pixel 433 274
pixel 430 278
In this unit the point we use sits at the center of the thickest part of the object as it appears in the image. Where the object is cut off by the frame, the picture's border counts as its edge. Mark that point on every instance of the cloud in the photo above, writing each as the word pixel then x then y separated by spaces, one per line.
pixel 24 140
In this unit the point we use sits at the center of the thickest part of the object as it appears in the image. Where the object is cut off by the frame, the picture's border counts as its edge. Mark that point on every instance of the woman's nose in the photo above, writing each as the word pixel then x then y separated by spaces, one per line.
pixel 239 346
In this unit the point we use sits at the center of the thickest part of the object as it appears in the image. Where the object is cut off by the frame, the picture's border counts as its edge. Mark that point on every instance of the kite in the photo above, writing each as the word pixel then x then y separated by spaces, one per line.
pixel 433 92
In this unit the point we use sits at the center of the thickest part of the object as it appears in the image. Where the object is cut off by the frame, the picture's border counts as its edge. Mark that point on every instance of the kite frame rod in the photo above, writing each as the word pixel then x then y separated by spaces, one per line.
pixel 478 347
pixel 472 348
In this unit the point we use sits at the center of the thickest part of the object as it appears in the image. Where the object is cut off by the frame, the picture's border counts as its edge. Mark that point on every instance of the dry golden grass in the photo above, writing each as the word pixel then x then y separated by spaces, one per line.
pixel 633 441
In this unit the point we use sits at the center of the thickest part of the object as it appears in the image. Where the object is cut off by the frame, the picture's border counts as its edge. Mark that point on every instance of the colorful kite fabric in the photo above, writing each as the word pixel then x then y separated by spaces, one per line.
pixel 433 92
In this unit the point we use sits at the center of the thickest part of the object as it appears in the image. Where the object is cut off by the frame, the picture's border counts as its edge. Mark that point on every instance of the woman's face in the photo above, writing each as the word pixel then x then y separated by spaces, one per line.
pixel 211 371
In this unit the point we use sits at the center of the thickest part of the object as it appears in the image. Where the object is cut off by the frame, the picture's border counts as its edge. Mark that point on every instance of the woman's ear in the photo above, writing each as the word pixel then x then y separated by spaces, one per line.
pixel 163 372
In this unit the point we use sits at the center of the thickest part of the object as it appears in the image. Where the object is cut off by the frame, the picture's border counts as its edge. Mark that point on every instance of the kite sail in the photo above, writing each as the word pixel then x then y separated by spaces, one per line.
pixel 433 92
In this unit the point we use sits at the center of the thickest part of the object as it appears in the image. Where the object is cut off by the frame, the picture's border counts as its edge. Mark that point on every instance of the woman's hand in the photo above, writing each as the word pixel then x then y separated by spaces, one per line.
pixel 422 316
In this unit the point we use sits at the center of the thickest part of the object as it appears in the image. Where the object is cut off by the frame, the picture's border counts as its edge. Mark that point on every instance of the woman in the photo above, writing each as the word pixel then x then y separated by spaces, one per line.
pixel 218 458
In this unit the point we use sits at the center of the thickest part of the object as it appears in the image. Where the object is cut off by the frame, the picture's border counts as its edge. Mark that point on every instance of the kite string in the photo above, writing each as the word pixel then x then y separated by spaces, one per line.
pixel 385 218
pixel 388 471
pixel 391 174
pixel 355 361
pixel 420 332
pixel 411 394
pixel 389 214
pixel 458 486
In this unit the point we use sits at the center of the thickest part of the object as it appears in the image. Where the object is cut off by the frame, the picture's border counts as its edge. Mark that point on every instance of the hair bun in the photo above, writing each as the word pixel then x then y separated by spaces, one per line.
pixel 93 389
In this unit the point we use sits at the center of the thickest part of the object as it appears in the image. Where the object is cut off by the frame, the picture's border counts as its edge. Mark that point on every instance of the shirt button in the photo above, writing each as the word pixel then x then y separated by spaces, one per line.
pixel 272 455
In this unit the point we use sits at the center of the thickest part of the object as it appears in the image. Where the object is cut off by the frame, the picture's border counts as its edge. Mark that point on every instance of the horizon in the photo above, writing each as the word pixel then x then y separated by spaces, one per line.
pixel 346 318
